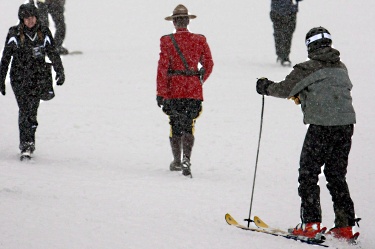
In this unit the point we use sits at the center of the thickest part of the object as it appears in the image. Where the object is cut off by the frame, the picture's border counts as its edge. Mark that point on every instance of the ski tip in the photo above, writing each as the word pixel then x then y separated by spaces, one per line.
pixel 229 219
pixel 259 223
pixel 75 52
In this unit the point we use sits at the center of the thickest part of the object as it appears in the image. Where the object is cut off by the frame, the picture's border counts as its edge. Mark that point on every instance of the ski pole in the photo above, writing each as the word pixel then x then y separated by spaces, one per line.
pixel 256 163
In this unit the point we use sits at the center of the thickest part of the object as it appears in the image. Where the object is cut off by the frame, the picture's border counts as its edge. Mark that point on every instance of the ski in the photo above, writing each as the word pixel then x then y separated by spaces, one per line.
pixel 320 237
pixel 75 52
pixel 262 227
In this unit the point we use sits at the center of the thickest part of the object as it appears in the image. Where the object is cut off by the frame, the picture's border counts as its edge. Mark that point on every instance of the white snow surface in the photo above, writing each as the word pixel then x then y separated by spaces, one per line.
pixel 100 177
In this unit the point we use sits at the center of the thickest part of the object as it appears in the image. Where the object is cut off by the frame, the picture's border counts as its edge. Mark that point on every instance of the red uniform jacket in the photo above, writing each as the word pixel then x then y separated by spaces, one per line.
pixel 195 50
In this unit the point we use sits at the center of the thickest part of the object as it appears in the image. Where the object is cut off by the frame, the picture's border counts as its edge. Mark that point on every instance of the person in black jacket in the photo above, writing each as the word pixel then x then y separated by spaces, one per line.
pixel 28 43
pixel 56 9
pixel 284 17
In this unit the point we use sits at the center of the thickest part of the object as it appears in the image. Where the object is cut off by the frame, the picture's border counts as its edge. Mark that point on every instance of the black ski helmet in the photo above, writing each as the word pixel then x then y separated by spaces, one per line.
pixel 317 38
pixel 26 10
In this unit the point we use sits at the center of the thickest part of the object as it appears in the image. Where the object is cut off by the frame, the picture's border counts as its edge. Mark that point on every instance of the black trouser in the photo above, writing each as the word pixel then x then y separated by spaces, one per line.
pixel 27 118
pixel 284 26
pixel 56 9
pixel 328 146
pixel 182 115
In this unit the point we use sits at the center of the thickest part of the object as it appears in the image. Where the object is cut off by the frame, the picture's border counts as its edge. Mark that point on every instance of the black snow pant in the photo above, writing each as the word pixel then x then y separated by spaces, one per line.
pixel 56 10
pixel 182 115
pixel 328 146
pixel 27 120
pixel 284 27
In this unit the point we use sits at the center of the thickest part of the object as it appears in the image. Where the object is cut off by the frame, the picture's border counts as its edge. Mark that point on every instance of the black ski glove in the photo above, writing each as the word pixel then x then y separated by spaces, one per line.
pixel 160 101
pixel 167 106
pixel 60 78
pixel 262 86
pixel 2 88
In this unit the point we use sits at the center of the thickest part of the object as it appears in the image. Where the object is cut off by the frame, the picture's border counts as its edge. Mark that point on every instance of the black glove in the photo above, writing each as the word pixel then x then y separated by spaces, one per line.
pixel 262 86
pixel 167 106
pixel 202 71
pixel 60 79
pixel 2 88
pixel 160 100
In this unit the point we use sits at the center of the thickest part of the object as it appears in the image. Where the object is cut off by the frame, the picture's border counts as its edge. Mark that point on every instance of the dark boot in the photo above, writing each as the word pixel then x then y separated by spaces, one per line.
pixel 176 145
pixel 187 147
pixel 186 171
pixel 187 144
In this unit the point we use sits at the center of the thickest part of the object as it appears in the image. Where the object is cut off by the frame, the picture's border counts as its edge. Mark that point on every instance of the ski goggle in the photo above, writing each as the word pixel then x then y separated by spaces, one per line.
pixel 318 37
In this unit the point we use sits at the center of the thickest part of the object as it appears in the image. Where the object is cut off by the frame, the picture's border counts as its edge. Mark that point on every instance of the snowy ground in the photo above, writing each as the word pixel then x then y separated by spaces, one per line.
pixel 100 178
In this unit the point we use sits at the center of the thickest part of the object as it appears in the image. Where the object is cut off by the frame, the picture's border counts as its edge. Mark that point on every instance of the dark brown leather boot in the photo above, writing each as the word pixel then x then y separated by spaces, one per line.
pixel 187 144
pixel 176 145
pixel 187 147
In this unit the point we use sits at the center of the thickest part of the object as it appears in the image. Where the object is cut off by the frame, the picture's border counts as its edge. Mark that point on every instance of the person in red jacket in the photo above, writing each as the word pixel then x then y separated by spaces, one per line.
pixel 184 65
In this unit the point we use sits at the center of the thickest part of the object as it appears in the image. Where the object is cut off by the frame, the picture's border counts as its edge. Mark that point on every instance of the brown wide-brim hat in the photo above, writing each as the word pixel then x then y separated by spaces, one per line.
pixel 180 10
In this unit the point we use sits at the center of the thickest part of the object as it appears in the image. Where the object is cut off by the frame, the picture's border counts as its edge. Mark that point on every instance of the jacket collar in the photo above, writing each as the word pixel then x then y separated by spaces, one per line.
pixel 178 30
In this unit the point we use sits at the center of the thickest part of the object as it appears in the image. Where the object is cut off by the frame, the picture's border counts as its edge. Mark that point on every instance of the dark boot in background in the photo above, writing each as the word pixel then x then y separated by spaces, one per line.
pixel 176 145
pixel 187 147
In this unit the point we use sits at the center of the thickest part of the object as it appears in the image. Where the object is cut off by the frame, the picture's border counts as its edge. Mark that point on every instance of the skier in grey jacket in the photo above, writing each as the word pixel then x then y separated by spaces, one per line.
pixel 322 86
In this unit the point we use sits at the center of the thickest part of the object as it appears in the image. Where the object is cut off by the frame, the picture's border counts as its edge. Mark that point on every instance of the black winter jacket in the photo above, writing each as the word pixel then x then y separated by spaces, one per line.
pixel 28 49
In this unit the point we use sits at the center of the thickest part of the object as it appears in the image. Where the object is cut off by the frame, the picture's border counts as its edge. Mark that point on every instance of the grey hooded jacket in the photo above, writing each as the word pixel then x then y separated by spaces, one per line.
pixel 323 86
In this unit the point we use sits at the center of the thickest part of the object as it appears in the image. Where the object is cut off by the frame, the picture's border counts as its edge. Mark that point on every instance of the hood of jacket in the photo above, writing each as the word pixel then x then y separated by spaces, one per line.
pixel 326 54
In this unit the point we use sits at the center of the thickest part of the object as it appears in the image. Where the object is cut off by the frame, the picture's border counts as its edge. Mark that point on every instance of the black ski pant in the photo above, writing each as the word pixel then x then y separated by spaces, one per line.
pixel 56 10
pixel 328 146
pixel 284 27
pixel 27 119
pixel 182 115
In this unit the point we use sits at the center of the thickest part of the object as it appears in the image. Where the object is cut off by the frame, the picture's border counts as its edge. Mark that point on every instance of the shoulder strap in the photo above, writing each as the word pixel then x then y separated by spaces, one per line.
pixel 179 52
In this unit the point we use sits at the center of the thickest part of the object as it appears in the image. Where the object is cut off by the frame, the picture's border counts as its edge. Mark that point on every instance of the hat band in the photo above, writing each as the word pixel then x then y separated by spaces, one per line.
pixel 318 37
